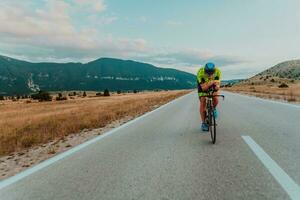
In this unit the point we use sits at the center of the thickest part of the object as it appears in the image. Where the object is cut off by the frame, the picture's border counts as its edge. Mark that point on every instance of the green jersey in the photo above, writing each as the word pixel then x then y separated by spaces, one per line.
pixel 202 77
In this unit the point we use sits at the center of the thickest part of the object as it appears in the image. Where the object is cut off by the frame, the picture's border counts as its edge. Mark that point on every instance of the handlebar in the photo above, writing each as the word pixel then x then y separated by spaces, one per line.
pixel 216 95
pixel 210 94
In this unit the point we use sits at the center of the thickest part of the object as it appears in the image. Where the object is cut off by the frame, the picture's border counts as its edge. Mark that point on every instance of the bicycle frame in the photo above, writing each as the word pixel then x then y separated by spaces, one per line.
pixel 210 119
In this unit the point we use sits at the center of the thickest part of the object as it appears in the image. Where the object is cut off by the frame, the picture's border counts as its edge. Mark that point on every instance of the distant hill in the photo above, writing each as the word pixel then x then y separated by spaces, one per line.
pixel 230 82
pixel 288 71
pixel 21 77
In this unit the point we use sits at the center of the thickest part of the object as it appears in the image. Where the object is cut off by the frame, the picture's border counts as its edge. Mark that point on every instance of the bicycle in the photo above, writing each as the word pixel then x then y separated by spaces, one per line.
pixel 210 118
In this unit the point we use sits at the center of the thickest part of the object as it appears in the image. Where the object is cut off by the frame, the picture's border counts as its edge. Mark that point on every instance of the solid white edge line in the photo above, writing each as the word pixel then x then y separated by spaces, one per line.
pixel 286 182
pixel 262 99
pixel 13 179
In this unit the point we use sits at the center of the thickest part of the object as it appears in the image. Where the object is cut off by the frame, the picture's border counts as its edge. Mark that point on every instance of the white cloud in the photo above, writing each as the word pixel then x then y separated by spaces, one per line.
pixel 97 5
pixel 49 32
pixel 102 20
pixel 191 58
pixel 17 21
pixel 143 19
pixel 173 23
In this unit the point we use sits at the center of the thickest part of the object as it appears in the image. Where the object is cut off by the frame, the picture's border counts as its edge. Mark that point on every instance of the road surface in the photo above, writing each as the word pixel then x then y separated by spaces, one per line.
pixel 164 155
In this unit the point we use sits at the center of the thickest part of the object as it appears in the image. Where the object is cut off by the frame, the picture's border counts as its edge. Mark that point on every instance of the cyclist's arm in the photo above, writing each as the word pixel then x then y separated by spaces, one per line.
pixel 215 83
pixel 202 84
pixel 217 80
pixel 207 85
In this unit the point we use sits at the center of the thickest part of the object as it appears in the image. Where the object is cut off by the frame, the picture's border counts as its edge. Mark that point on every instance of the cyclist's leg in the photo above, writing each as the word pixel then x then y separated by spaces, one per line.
pixel 215 100
pixel 215 104
pixel 202 108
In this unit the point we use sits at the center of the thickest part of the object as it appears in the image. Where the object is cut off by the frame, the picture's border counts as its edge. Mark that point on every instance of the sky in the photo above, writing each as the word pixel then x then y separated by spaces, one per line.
pixel 241 37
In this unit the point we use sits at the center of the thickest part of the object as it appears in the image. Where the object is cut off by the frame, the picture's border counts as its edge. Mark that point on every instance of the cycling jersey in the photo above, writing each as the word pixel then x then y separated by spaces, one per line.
pixel 202 77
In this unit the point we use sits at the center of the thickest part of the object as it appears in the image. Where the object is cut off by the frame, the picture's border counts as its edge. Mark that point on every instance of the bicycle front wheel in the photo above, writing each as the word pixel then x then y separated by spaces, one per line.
pixel 212 127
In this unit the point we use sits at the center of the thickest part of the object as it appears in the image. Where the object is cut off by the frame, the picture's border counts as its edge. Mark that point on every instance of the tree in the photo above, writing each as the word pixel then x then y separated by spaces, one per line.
pixel 72 94
pixel 60 97
pixel 106 93
pixel 13 98
pixel 283 85
pixel 42 96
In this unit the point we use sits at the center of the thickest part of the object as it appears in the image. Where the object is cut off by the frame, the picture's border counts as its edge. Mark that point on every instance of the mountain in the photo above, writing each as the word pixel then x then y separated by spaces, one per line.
pixel 285 70
pixel 288 71
pixel 21 77
pixel 230 82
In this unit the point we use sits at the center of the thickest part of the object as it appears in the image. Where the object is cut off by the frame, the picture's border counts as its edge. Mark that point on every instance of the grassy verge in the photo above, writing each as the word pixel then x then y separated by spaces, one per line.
pixel 25 125
pixel 289 94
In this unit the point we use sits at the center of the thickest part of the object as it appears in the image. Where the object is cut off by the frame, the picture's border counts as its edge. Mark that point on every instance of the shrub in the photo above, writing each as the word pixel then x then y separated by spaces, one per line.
pixel 272 80
pixel 106 93
pixel 135 91
pixel 84 94
pixel 119 92
pixel 42 96
pixel 98 94
pixel 72 94
pixel 60 97
pixel 1 98
pixel 283 85
pixel 291 99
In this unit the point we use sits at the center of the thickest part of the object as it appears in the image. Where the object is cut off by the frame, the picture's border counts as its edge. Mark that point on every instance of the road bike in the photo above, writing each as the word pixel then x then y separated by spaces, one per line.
pixel 210 117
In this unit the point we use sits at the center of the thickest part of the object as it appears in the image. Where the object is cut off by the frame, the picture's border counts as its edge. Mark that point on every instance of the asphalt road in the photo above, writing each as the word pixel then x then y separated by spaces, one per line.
pixel 164 155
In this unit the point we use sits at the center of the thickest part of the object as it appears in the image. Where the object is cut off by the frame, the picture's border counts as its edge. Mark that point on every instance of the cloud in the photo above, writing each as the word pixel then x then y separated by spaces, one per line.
pixel 50 33
pixel 17 21
pixel 102 20
pixel 97 5
pixel 173 23
pixel 143 19
pixel 191 57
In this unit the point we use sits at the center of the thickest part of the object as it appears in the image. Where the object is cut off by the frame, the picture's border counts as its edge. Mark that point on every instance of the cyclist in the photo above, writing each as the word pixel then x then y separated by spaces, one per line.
pixel 208 77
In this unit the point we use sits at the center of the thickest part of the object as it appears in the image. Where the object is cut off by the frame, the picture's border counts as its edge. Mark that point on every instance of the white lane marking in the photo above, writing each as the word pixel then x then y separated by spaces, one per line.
pixel 54 159
pixel 286 182
pixel 266 100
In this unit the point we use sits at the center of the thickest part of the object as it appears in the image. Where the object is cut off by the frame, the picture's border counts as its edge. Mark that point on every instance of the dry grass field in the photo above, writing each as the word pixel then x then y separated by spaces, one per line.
pixel 24 125
pixel 269 91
